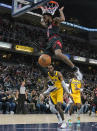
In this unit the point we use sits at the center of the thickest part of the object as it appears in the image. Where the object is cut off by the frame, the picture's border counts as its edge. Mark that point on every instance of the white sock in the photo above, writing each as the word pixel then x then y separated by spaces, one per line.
pixel 78 113
pixel 59 118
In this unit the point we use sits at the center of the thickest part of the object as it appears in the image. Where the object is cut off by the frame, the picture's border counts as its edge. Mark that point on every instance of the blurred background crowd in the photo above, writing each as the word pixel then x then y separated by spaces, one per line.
pixel 22 67
pixel 11 77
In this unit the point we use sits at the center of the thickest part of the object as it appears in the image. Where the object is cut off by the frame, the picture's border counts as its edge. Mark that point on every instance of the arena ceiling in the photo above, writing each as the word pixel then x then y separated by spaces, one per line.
pixel 85 11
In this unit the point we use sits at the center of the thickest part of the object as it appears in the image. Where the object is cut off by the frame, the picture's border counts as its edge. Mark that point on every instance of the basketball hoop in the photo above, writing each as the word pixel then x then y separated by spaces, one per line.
pixel 51 7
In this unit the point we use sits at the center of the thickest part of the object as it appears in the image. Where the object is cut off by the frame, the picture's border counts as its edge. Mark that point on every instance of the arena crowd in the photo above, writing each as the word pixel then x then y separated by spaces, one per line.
pixel 11 77
pixel 12 74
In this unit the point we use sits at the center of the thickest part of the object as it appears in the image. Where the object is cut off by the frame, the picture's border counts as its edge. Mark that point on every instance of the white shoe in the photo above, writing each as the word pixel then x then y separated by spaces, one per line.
pixel 59 118
pixel 78 74
pixel 64 125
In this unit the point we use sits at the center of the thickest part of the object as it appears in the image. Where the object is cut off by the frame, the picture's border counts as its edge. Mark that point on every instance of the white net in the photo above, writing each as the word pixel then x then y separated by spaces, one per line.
pixel 50 8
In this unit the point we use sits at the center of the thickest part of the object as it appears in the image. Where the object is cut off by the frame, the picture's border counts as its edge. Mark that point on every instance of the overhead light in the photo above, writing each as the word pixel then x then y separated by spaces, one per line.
pixel 78 58
pixel 92 61
pixel 5 45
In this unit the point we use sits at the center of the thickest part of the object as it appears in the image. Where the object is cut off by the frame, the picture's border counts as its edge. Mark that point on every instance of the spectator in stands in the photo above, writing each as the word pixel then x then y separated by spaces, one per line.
pixel 10 102
pixel 31 104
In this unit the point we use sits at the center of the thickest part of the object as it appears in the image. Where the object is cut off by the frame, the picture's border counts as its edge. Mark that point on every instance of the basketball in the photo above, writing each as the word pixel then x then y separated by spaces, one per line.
pixel 44 60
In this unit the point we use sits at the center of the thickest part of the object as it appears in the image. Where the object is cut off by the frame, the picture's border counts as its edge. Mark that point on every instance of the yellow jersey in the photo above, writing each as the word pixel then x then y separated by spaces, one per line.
pixel 56 80
pixel 75 83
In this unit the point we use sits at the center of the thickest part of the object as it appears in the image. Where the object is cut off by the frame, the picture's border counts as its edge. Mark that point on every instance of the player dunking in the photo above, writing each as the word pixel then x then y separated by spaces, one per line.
pixel 56 93
pixel 54 45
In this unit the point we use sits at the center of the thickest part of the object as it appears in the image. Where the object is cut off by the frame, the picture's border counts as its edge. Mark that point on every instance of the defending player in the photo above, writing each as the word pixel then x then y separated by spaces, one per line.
pixel 54 45
pixel 75 89
pixel 56 93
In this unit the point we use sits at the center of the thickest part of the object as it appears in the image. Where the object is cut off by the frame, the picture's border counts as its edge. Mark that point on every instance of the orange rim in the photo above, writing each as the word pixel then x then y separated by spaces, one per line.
pixel 54 2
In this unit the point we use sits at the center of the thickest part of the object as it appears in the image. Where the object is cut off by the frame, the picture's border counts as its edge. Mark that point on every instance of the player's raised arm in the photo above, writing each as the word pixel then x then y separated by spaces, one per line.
pixel 42 17
pixel 60 76
pixel 62 17
pixel 58 20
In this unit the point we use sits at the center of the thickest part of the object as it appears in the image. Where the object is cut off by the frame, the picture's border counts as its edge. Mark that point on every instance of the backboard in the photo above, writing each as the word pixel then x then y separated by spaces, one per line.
pixel 19 7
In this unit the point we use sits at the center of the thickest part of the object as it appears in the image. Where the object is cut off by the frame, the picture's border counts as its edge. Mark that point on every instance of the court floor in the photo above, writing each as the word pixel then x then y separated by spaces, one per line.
pixel 45 122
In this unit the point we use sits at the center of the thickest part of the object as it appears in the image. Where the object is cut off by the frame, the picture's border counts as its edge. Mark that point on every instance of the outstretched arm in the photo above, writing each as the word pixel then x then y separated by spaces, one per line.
pixel 58 20
pixel 62 17
pixel 63 82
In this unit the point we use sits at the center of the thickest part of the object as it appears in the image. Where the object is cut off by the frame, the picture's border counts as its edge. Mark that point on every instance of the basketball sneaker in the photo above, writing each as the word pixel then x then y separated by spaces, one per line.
pixel 59 119
pixel 64 125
